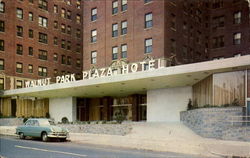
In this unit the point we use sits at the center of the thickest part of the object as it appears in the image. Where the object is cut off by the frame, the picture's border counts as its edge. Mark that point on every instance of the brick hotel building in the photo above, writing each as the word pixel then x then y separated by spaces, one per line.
pixel 51 38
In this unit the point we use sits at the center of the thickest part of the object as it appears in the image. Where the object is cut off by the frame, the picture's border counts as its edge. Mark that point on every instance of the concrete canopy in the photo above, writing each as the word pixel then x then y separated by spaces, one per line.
pixel 138 82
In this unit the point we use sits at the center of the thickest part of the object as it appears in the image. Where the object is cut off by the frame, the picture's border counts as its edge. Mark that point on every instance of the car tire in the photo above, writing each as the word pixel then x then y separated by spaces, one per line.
pixel 21 135
pixel 45 137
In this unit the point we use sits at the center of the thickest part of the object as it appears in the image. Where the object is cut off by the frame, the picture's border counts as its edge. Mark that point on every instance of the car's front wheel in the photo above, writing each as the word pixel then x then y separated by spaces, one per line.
pixel 21 135
pixel 45 137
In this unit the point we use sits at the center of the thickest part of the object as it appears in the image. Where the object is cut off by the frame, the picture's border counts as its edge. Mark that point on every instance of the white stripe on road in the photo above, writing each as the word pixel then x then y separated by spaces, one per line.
pixel 52 151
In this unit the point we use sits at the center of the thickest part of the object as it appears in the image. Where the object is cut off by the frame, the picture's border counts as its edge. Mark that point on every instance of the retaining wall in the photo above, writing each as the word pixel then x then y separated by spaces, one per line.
pixel 217 123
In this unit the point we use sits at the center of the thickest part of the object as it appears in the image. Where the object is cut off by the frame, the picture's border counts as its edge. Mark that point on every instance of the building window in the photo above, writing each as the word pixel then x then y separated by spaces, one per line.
pixel 124 5
pixel 78 19
pixel 173 46
pixel 69 30
pixel 237 17
pixel 217 4
pixel 31 51
pixel 124 27
pixel 19 49
pixel 2 26
pixel 30 68
pixel 42 54
pixel 55 25
pixel 42 71
pixel 43 4
pixel 68 14
pixel 78 33
pixel 19 67
pixel 63 44
pixel 1 64
pixel 30 16
pixel 43 38
pixel 93 14
pixel 124 51
pixel 31 33
pixel 114 30
pixel 78 63
pixel 1 45
pixel 78 48
pixel 55 57
pixel 115 7
pixel 55 9
pixel 63 59
pixel 42 21
pixel 218 21
pixel 147 1
pixel 173 21
pixel 1 83
pixel 148 45
pixel 63 28
pixel 93 35
pixel 2 7
pixel 63 13
pixel 148 20
pixel 68 45
pixel 55 72
pixel 19 31
pixel 218 42
pixel 237 38
pixel 19 13
pixel 55 41
pixel 93 57
pixel 69 60
pixel 19 84
pixel 68 2
pixel 78 4
pixel 115 53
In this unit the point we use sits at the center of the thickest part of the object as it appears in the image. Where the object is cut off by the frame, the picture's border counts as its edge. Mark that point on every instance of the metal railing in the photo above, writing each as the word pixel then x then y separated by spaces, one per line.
pixel 244 120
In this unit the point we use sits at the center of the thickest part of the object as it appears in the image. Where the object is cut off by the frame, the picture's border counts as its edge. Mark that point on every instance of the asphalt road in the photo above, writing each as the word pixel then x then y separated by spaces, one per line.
pixel 13 147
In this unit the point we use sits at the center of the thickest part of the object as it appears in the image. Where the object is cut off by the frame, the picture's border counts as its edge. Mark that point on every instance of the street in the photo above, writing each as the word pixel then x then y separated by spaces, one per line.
pixel 13 147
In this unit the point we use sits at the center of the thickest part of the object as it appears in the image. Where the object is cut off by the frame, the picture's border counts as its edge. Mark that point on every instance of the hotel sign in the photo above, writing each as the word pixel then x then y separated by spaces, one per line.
pixel 125 69
pixel 102 72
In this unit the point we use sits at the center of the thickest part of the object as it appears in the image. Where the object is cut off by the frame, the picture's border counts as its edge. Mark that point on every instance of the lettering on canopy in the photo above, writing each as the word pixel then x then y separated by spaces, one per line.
pixel 125 69
pixel 46 81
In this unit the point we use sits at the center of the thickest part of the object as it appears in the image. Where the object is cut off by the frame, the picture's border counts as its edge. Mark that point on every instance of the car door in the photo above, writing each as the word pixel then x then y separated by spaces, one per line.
pixel 26 129
pixel 36 129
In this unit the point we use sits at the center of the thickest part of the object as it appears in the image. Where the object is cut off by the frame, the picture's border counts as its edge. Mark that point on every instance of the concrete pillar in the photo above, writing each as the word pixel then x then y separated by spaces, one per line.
pixel 165 105
pixel 62 107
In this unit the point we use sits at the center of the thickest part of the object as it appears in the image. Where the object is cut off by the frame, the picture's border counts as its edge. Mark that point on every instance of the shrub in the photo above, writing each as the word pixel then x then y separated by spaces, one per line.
pixel 189 106
pixel 236 102
pixel 47 115
pixel 65 120
pixel 25 119
pixel 119 117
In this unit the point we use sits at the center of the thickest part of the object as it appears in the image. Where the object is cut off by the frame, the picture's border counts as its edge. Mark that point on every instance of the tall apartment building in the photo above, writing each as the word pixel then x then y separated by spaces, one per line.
pixel 179 31
pixel 229 28
pixel 38 39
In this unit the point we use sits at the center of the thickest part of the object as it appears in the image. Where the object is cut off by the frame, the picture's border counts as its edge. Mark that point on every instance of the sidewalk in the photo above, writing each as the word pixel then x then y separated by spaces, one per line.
pixel 162 137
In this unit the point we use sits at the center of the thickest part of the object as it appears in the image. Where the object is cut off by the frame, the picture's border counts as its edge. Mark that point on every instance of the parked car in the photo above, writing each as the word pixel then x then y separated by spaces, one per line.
pixel 42 128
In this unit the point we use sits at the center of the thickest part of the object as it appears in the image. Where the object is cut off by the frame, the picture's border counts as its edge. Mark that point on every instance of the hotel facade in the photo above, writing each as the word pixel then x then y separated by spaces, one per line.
pixel 143 58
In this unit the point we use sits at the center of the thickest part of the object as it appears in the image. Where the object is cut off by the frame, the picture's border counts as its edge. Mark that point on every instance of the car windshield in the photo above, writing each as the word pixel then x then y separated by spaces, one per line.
pixel 46 122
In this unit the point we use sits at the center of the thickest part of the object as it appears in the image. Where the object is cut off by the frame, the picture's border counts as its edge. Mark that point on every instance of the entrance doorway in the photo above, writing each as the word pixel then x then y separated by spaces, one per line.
pixel 13 107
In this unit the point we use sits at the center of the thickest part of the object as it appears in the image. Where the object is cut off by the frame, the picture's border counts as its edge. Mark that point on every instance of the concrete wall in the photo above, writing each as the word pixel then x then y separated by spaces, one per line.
pixel 62 107
pixel 165 105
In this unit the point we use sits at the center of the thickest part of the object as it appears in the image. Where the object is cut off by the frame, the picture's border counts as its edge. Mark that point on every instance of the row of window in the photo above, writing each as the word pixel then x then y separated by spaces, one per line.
pixel 123 48
pixel 43 21
pixel 218 41
pixel 43 4
pixel 42 71
pixel 219 21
